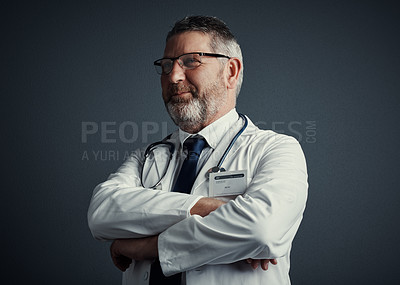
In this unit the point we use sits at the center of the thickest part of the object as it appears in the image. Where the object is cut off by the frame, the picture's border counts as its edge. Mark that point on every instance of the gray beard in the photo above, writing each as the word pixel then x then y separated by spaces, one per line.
pixel 191 115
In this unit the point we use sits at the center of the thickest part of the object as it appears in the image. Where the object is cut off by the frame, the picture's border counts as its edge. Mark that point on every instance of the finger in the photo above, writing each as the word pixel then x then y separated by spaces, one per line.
pixel 255 263
pixel 116 262
pixel 264 264
pixel 122 262
pixel 125 263
pixel 248 260
pixel 273 261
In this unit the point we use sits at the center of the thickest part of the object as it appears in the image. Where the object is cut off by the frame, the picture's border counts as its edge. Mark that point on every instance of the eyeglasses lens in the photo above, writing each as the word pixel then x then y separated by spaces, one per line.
pixel 187 61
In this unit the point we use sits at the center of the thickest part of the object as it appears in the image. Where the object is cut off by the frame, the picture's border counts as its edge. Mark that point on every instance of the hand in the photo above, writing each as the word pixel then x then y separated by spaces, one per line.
pixel 264 263
pixel 205 206
pixel 123 251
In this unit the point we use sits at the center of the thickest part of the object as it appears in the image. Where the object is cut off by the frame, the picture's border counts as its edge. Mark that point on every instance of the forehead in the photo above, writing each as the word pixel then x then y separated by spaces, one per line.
pixel 187 42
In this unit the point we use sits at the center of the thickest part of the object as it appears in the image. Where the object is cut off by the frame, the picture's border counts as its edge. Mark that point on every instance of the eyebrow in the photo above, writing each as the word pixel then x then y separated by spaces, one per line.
pixel 199 53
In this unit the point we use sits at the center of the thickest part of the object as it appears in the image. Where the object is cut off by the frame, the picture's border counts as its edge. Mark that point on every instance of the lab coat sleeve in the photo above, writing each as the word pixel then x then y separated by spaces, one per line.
pixel 121 208
pixel 259 224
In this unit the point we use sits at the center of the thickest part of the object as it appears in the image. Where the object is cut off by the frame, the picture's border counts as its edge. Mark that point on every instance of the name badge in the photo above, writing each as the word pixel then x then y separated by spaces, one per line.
pixel 228 183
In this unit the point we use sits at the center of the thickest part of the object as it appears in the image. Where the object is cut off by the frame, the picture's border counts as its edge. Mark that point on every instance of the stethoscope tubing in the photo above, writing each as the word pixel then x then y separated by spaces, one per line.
pixel 233 140
pixel 172 149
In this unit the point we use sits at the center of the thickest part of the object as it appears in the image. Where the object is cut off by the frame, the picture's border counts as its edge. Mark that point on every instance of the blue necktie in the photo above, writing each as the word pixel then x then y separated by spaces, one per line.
pixel 188 174
pixel 183 184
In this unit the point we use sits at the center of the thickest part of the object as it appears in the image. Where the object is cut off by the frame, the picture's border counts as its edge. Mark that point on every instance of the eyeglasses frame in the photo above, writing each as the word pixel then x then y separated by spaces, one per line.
pixel 158 61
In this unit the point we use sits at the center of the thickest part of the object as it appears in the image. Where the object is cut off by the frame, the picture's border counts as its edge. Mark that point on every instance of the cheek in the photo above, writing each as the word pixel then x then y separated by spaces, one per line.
pixel 195 79
pixel 164 84
pixel 164 88
pixel 201 78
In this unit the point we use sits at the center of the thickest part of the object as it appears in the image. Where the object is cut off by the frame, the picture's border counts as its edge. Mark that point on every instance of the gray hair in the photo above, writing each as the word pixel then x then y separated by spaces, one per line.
pixel 222 39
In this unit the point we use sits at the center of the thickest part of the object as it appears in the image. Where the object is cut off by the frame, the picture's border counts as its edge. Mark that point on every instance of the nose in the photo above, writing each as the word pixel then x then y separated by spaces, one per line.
pixel 177 73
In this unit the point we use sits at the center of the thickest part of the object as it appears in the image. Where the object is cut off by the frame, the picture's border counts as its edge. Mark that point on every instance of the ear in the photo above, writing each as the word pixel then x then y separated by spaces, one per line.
pixel 234 66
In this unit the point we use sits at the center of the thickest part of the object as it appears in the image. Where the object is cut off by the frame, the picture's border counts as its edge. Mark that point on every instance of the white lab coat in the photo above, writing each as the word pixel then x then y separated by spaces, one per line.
pixel 261 223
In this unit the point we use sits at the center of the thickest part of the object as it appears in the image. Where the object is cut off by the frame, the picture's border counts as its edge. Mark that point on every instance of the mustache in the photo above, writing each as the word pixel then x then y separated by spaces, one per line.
pixel 180 88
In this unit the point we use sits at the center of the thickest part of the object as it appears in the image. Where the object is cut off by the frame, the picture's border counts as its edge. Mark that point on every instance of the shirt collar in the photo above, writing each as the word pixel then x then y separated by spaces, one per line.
pixel 214 132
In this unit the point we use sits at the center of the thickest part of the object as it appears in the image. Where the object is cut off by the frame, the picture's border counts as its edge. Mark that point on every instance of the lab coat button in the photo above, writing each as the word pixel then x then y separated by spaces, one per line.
pixel 146 275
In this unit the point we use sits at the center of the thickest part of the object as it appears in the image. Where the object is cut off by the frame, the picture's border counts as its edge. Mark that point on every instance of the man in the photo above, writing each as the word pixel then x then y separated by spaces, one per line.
pixel 208 235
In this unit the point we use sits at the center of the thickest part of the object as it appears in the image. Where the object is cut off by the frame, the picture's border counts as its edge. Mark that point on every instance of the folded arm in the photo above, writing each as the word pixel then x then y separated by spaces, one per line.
pixel 122 208
pixel 123 251
pixel 260 224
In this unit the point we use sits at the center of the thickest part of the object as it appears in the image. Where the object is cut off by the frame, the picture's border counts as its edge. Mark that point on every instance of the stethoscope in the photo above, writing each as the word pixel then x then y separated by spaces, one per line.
pixel 171 148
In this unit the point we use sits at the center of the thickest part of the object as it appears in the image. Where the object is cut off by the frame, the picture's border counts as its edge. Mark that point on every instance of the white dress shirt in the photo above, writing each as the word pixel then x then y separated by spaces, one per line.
pixel 213 134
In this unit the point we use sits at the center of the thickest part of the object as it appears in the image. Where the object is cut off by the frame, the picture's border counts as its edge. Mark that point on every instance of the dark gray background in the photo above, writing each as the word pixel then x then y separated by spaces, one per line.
pixel 325 72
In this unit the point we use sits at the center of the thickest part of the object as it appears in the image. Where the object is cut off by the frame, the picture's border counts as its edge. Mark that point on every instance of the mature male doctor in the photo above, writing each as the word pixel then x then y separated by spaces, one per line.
pixel 248 190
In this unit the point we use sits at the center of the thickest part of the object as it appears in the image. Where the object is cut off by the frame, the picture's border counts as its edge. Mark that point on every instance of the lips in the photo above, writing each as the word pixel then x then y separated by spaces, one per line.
pixel 179 90
pixel 180 93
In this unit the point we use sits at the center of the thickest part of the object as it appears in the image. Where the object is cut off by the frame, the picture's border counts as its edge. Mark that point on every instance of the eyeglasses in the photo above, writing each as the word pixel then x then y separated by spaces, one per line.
pixel 186 61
